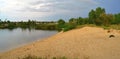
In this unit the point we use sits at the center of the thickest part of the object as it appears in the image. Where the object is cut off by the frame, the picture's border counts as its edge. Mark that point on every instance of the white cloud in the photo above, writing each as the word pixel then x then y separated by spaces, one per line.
pixel 42 8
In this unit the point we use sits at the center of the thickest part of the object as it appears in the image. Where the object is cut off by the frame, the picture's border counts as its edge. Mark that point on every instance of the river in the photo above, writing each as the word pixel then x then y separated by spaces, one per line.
pixel 10 39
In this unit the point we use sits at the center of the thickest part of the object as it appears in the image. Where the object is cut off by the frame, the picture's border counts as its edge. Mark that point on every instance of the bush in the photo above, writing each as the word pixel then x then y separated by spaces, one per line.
pixel 46 27
pixel 69 27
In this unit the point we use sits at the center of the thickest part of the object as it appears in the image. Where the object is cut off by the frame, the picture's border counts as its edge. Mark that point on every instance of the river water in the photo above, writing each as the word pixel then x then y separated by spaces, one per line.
pixel 10 39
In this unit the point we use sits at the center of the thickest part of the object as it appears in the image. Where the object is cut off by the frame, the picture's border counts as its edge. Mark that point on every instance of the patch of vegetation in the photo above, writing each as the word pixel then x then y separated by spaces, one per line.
pixel 35 57
pixel 115 27
pixel 30 57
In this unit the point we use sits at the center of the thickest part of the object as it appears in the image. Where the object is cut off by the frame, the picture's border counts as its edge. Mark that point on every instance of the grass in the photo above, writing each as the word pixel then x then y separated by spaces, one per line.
pixel 116 27
pixel 89 25
pixel 35 57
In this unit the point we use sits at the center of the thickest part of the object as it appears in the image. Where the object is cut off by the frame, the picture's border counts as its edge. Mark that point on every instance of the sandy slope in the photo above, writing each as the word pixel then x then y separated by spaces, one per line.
pixel 85 43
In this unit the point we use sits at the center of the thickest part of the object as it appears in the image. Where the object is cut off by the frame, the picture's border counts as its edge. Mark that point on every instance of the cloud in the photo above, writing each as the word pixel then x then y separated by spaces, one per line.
pixel 37 8
pixel 53 5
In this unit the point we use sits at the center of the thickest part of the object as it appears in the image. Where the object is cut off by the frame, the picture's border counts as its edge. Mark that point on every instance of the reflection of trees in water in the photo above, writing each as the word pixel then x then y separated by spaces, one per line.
pixel 29 29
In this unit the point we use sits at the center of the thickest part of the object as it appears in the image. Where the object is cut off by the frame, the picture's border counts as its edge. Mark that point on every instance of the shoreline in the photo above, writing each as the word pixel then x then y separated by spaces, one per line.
pixel 77 43
pixel 30 43
pixel 18 37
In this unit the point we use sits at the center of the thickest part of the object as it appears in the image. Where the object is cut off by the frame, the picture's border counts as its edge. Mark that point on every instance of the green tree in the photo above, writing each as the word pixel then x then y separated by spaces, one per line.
pixel 80 21
pixel 104 19
pixel 73 20
pixel 92 16
pixel 99 11
pixel 117 19
pixel 61 22
pixel 85 21
pixel 0 21
pixel 95 14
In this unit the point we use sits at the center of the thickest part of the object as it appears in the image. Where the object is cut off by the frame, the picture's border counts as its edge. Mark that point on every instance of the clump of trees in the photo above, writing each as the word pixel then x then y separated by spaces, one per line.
pixel 99 17
pixel 7 24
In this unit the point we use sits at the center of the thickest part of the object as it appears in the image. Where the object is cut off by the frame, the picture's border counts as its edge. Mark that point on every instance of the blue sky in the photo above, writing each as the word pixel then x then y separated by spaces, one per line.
pixel 52 10
pixel 111 6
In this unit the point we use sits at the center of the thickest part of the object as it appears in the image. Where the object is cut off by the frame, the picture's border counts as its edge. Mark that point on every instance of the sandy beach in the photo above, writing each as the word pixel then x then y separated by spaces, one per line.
pixel 84 43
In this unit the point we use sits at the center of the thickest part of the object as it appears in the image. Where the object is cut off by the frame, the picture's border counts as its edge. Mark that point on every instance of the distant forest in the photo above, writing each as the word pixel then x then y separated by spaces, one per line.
pixel 97 17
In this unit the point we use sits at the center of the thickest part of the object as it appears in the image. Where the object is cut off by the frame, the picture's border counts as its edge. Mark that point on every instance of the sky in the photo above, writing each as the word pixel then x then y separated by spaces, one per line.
pixel 53 10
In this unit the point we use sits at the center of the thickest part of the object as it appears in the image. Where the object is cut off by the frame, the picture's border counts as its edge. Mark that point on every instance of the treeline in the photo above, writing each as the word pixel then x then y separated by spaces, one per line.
pixel 30 24
pixel 97 17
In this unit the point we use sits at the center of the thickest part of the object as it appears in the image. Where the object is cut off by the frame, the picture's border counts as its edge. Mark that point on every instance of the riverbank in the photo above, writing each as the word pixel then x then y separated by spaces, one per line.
pixel 84 43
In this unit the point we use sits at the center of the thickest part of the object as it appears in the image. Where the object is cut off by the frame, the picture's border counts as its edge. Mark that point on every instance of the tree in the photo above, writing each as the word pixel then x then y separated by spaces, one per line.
pixel 61 22
pixel 104 19
pixel 85 21
pixel 73 21
pixel 99 11
pixel 0 21
pixel 117 19
pixel 80 21
pixel 8 21
pixel 92 16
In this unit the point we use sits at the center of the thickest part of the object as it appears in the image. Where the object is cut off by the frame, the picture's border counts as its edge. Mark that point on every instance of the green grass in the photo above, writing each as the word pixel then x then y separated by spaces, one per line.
pixel 86 25
pixel 116 27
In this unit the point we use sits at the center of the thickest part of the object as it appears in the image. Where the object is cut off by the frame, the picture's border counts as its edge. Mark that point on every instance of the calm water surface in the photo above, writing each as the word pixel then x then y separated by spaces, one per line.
pixel 10 39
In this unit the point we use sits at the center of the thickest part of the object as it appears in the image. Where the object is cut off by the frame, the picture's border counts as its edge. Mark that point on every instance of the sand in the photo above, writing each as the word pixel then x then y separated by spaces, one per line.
pixel 84 43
